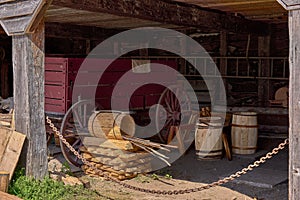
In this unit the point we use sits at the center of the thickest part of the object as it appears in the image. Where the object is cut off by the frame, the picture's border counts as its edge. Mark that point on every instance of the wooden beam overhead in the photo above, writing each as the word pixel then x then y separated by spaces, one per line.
pixel 170 12
pixel 58 30
pixel 290 4
pixel 231 3
pixel 17 17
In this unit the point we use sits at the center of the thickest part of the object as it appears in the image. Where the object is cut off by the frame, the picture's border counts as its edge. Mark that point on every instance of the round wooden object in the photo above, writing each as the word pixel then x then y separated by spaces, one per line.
pixel 111 125
pixel 208 140
pixel 282 95
pixel 4 181
pixel 244 133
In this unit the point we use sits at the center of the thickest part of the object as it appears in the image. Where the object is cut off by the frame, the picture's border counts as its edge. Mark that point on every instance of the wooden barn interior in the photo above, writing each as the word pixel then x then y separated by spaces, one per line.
pixel 248 40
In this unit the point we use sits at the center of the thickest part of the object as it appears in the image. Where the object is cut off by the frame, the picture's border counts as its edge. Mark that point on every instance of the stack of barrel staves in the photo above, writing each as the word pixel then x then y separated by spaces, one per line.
pixel 112 148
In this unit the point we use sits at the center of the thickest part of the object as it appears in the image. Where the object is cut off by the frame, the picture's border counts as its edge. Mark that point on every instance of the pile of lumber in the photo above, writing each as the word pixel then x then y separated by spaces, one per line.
pixel 6 120
pixel 115 162
pixel 112 147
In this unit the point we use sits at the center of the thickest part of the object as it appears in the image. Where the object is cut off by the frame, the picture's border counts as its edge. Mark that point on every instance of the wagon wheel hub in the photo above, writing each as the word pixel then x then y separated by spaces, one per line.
pixel 175 115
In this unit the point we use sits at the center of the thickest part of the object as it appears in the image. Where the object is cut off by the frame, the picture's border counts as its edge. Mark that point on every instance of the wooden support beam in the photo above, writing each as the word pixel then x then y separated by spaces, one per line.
pixel 223 62
pixel 294 97
pixel 223 52
pixel 264 69
pixel 294 105
pixel 58 30
pixel 28 67
pixel 171 12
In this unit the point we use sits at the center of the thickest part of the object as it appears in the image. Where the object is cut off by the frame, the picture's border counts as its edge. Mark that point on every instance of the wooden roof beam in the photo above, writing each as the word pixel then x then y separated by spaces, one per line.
pixel 58 30
pixel 233 3
pixel 170 12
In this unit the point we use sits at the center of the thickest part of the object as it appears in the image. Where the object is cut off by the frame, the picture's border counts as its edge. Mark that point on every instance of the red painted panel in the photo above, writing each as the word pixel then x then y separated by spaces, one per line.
pixel 92 77
pixel 149 89
pixel 55 106
pixel 64 70
pixel 151 100
pixel 55 101
pixel 55 92
pixel 55 77
pixel 137 102
pixel 56 64
pixel 57 109
pixel 120 65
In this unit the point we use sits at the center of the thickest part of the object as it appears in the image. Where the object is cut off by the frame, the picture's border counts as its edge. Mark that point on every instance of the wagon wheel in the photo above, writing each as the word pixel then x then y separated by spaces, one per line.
pixel 74 124
pixel 174 108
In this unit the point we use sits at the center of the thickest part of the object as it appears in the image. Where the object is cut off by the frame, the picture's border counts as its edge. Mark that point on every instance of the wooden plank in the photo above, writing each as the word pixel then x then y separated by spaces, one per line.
pixel 223 62
pixel 19 8
pixel 294 106
pixel 55 91
pixel 16 25
pixel 4 138
pixel 5 196
pixel 290 4
pixel 186 15
pixel 12 151
pixel 17 17
pixel 264 70
pixel 28 66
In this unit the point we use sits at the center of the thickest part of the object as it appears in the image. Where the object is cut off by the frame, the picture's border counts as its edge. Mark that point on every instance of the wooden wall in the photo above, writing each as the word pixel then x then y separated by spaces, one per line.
pixel 280 40
pixel 6 84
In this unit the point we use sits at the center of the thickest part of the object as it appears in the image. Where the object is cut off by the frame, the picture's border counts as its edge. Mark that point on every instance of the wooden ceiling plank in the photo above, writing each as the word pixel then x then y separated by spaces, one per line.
pixel 168 12
pixel 232 3
pixel 259 6
pixel 242 7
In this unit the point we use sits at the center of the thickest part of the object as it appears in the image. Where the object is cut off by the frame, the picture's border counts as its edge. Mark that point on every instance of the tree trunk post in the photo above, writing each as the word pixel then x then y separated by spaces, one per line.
pixel 28 68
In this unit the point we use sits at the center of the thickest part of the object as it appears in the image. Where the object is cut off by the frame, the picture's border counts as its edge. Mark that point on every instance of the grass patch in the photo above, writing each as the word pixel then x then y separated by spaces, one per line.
pixel 47 189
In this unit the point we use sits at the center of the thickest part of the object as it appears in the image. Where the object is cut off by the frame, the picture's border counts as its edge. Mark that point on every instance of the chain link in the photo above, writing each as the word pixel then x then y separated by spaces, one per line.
pixel 170 192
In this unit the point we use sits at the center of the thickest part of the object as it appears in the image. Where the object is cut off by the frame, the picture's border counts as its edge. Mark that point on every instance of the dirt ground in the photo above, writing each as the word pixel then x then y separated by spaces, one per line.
pixel 188 172
pixel 110 190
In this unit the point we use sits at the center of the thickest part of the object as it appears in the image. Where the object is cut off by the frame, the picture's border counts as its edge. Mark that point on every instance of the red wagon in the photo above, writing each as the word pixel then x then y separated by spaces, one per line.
pixel 60 76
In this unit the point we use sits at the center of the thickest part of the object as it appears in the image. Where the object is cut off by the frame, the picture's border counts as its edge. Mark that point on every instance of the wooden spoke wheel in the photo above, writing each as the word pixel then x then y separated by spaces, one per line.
pixel 174 107
pixel 74 124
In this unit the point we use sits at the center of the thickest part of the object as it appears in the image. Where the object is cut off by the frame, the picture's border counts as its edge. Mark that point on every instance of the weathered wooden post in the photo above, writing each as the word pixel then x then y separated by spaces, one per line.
pixel 23 20
pixel 293 6
pixel 264 70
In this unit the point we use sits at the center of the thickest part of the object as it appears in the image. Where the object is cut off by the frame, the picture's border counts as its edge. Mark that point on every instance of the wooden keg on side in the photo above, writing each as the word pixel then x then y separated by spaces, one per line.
pixel 208 138
pixel 244 133
pixel 111 124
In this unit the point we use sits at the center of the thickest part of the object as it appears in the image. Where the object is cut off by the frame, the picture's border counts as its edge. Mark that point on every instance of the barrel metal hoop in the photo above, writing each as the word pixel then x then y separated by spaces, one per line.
pixel 244 126
pixel 213 151
pixel 244 148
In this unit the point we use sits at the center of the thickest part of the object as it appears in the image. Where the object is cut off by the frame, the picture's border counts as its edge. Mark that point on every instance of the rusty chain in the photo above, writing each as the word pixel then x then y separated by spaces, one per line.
pixel 170 192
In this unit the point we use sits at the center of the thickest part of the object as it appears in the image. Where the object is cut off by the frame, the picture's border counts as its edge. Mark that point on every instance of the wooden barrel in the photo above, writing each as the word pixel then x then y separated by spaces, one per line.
pixel 227 117
pixel 244 133
pixel 111 124
pixel 208 138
